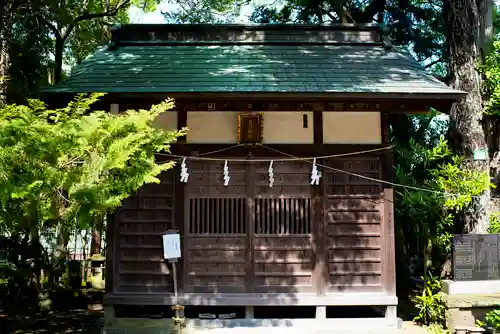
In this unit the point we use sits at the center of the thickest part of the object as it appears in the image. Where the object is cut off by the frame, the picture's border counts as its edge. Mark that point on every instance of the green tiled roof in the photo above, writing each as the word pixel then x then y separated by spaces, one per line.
pixel 241 68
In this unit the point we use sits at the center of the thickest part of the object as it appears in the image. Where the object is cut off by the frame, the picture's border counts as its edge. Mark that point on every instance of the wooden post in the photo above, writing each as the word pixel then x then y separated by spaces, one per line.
pixel 172 253
pixel 177 307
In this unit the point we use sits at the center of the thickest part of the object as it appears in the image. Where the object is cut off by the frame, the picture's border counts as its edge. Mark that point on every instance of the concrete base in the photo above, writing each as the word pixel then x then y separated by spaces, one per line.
pixel 464 310
pixel 471 287
pixel 257 326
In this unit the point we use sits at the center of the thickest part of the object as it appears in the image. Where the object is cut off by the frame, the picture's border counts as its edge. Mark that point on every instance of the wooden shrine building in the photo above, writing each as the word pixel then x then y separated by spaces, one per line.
pixel 280 91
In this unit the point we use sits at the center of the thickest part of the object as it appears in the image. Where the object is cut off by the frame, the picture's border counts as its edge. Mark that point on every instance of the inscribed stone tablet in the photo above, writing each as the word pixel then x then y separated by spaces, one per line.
pixel 476 257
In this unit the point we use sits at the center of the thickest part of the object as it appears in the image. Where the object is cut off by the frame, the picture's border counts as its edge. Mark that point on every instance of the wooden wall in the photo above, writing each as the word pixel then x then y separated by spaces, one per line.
pixel 139 263
pixel 249 238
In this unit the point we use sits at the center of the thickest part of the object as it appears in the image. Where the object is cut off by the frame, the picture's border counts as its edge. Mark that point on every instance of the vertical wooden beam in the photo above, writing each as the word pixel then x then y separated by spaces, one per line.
pixel 114 108
pixel 320 271
pixel 183 209
pixel 114 232
pixel 110 252
pixel 249 312
pixel 318 125
pixel 387 228
pixel 181 120
pixel 250 277
pixel 112 238
pixel 178 207
pixel 320 312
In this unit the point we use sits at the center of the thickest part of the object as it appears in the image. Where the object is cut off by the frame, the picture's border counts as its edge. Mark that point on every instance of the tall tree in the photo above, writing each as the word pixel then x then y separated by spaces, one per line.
pixel 5 28
pixel 87 19
pixel 468 42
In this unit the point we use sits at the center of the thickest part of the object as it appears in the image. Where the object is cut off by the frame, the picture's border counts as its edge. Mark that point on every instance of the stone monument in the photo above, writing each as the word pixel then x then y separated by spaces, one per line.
pixel 475 287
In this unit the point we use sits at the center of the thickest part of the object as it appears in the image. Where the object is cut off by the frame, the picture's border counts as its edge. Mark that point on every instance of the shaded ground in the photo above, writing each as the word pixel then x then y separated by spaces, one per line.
pixel 77 321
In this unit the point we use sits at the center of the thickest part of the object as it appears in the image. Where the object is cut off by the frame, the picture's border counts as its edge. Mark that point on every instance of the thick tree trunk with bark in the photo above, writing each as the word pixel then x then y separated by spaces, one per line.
pixel 5 28
pixel 464 39
pixel 58 58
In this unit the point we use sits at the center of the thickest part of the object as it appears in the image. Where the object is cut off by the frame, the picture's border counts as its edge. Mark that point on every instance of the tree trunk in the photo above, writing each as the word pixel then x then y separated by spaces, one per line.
pixel 5 28
pixel 58 58
pixel 464 38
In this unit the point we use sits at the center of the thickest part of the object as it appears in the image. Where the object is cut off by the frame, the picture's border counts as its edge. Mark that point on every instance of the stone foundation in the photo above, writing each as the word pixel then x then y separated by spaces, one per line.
pixel 465 309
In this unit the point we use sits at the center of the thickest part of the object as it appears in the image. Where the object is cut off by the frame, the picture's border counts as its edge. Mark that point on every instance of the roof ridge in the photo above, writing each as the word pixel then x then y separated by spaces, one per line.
pixel 158 34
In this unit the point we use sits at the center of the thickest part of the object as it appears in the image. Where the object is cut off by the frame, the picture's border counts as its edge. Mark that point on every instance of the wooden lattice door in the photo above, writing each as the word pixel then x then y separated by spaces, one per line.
pixel 248 237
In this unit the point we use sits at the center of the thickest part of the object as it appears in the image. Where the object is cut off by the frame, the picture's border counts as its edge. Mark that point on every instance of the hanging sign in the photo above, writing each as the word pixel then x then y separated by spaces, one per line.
pixel 250 128
pixel 480 153
pixel 171 245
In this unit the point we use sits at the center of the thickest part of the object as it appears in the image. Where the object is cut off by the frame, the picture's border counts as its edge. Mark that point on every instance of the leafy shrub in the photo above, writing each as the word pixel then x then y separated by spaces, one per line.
pixel 431 308
pixel 492 320
pixel 494 223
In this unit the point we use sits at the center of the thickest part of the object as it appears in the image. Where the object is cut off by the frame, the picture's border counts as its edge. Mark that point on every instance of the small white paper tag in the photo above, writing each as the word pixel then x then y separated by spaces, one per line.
pixel 171 246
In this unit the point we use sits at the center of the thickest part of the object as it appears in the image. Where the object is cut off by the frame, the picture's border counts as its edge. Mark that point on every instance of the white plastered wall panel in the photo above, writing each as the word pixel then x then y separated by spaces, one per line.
pixel 288 127
pixel 212 127
pixel 166 120
pixel 352 127
pixel 221 127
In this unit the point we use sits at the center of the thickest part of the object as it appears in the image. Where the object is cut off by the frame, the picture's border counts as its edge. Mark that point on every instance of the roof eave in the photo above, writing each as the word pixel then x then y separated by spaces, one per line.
pixel 452 95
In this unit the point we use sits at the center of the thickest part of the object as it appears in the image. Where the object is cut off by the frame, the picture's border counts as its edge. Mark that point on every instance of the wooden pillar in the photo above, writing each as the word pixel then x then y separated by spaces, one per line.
pixel 112 238
pixel 320 312
pixel 320 272
pixel 181 120
pixel 249 312
pixel 111 235
pixel 114 108
pixel 387 225
pixel 250 278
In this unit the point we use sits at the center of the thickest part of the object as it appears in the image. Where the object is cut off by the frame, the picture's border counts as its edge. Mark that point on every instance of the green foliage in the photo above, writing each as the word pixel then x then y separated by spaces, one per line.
pixel 432 213
pixel 431 308
pixel 415 24
pixel 492 320
pixel 58 165
pixel 436 329
pixel 494 226
pixel 491 75
pixel 22 260
pixel 29 50
pixel 204 11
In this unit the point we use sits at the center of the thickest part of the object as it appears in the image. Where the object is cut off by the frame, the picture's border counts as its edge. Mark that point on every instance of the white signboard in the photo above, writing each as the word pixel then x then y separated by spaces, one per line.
pixel 171 246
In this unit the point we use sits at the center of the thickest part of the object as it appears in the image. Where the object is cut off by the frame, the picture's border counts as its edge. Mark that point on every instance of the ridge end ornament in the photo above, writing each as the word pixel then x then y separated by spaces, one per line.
pixel 271 174
pixel 184 171
pixel 315 174
pixel 226 174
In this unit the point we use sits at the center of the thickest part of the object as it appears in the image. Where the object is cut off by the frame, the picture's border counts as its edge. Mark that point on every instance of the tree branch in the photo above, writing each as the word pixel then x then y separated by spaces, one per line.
pixel 50 25
pixel 432 63
pixel 89 16
pixel 327 13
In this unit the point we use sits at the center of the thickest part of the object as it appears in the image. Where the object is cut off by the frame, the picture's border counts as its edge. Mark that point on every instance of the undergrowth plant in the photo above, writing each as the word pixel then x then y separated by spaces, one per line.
pixel 492 320
pixel 431 308
pixel 494 226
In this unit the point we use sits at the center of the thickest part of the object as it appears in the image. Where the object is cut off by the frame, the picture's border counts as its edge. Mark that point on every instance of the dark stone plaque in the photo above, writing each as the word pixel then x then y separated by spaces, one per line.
pixel 476 257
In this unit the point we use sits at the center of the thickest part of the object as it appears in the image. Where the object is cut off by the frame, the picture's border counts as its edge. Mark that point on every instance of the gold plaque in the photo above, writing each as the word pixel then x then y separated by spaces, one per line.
pixel 250 128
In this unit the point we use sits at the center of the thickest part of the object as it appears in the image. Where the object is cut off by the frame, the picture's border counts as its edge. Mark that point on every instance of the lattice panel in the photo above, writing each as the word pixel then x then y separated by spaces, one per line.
pixel 283 216
pixel 217 216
